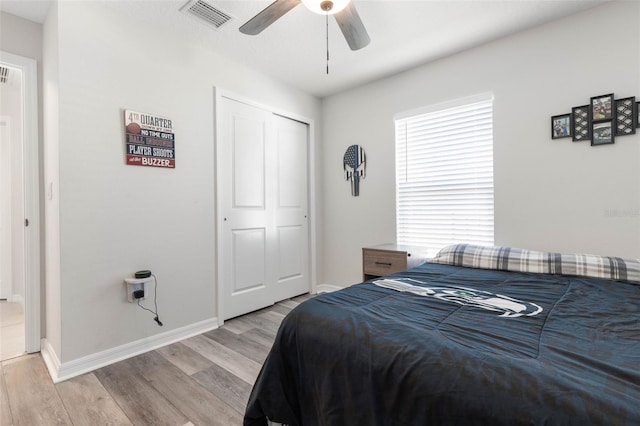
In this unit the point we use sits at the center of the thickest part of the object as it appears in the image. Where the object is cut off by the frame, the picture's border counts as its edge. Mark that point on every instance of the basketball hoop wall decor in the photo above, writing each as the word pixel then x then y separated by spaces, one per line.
pixel 354 164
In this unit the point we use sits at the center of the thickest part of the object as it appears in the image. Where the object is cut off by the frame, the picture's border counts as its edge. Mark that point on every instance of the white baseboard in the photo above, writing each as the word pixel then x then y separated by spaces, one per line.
pixel 64 371
pixel 327 288
pixel 50 358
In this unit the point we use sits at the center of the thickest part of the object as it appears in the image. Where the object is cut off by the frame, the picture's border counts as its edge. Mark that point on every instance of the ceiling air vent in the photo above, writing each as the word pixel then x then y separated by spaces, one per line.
pixel 4 74
pixel 207 12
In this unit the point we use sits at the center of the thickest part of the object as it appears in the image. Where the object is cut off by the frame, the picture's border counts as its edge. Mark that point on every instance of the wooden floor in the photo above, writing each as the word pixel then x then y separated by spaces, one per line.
pixel 11 330
pixel 203 380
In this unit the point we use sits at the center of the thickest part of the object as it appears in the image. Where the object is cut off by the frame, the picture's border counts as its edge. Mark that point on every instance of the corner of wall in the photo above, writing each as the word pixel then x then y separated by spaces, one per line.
pixel 50 114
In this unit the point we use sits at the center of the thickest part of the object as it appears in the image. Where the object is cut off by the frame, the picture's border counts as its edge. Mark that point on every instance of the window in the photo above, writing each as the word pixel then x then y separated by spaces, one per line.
pixel 444 174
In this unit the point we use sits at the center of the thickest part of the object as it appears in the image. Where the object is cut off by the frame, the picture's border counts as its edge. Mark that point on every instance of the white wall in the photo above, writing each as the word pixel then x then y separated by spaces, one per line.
pixel 5 205
pixel 50 101
pixel 553 195
pixel 115 219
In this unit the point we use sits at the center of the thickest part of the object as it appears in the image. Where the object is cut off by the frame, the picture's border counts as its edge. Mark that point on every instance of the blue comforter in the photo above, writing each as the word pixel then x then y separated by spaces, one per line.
pixel 476 347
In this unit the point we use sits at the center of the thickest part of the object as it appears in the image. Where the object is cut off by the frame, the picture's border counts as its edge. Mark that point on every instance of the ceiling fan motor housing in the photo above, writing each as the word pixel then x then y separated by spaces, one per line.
pixel 343 10
pixel 326 5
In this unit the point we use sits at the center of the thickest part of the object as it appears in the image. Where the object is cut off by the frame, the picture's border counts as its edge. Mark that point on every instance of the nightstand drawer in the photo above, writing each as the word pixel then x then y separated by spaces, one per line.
pixel 385 259
pixel 381 263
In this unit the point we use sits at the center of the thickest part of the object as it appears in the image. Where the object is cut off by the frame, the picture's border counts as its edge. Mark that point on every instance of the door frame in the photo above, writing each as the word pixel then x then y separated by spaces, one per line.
pixel 31 188
pixel 311 192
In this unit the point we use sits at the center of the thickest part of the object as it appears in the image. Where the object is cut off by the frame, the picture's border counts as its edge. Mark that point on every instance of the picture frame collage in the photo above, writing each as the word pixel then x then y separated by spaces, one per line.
pixel 600 121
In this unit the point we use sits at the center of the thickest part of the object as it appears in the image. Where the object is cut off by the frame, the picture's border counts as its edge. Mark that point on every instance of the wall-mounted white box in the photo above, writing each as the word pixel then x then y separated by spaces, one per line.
pixel 134 284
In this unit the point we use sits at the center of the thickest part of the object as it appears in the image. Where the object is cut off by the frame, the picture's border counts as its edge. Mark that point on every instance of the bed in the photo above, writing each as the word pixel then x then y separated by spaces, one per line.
pixel 476 336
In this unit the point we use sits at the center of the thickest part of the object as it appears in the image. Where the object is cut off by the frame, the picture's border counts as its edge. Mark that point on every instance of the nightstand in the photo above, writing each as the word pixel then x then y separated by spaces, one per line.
pixel 385 259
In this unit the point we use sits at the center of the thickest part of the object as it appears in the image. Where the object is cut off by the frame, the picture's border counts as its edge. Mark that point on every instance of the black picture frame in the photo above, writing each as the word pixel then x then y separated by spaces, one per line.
pixel 581 123
pixel 637 114
pixel 602 132
pixel 626 116
pixel 602 107
pixel 561 126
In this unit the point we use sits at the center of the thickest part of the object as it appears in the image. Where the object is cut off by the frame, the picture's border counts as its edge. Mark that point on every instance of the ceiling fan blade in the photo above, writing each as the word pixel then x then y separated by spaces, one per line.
pixel 268 16
pixel 352 27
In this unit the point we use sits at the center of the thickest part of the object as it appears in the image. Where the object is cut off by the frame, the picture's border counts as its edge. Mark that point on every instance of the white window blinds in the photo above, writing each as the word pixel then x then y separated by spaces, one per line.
pixel 444 175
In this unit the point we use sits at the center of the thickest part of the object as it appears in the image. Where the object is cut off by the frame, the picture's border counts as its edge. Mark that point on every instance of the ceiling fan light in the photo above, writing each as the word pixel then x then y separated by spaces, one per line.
pixel 326 7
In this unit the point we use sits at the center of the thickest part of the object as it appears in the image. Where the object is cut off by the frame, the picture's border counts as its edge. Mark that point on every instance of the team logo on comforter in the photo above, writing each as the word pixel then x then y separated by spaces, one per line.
pixel 508 306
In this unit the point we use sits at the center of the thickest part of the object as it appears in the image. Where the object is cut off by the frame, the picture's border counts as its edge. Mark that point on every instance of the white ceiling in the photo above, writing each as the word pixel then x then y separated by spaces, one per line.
pixel 404 33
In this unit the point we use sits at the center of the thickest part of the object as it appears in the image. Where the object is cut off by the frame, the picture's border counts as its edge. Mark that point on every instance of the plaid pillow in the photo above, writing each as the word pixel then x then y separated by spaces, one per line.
pixel 520 260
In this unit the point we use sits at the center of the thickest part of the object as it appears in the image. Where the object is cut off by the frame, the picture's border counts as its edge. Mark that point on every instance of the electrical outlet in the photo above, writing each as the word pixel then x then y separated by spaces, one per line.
pixel 135 284
pixel 132 289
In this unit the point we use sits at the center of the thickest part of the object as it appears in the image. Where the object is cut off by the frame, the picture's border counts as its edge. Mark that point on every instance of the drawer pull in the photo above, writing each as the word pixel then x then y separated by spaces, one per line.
pixel 384 263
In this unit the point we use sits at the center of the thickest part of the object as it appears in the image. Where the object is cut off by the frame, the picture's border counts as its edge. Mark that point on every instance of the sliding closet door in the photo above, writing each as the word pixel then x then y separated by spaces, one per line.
pixel 290 197
pixel 264 250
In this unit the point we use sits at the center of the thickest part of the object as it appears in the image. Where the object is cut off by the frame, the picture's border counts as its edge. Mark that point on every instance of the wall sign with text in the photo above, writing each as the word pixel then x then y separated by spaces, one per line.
pixel 150 140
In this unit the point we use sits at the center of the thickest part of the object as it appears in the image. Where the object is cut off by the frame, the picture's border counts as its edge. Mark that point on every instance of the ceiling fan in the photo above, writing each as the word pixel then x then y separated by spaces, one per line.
pixel 343 10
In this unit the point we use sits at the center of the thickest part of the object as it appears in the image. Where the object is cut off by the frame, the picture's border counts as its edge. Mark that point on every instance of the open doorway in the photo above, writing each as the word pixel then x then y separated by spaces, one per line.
pixel 12 290
pixel 19 207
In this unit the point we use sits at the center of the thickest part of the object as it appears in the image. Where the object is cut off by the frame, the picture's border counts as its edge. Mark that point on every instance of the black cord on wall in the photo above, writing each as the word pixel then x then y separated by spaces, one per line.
pixel 155 302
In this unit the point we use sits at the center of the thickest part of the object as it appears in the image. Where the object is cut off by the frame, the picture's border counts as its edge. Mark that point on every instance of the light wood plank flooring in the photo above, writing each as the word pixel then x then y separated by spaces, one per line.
pixel 12 342
pixel 203 380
